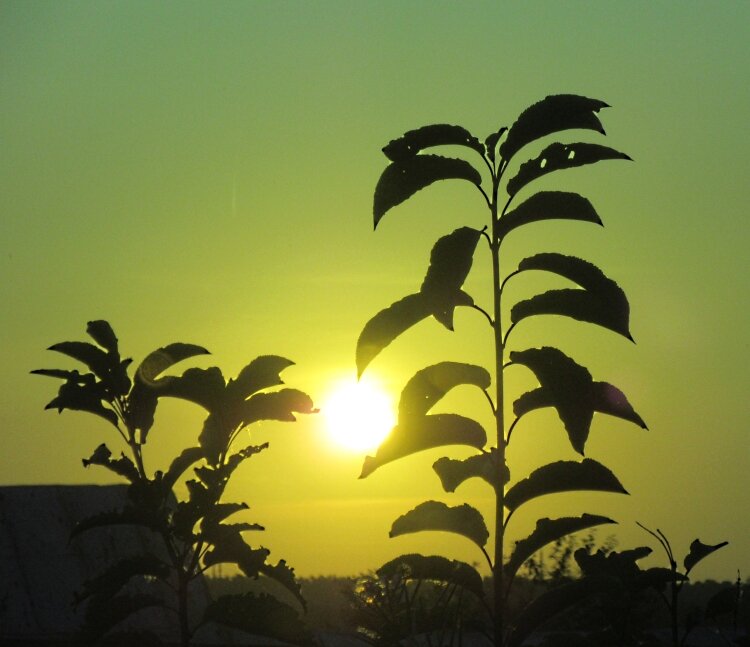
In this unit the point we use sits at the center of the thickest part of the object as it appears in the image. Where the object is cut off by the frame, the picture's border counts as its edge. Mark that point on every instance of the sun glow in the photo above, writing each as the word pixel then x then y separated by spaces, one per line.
pixel 358 415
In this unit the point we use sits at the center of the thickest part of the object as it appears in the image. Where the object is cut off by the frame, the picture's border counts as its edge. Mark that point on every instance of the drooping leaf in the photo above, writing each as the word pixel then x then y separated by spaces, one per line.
pixel 83 397
pixel 435 515
pixel 414 141
pixel 554 601
pixel 101 332
pixel 563 476
pixel 401 180
pixel 158 361
pixel 203 386
pixel 569 388
pixel 548 205
pixel 550 115
pixel 92 356
pixel 699 550
pixel 425 433
pixel 485 466
pixel 179 464
pixel 263 372
pixel 230 548
pixel 388 324
pixel 115 576
pixel 557 157
pixel 430 384
pixel 601 302
pixel 122 466
pixel 490 142
pixel 450 262
pixel 434 568
pixel 129 516
pixel 261 615
pixel 547 531
pixel 277 405
pixel 221 511
pixel 284 575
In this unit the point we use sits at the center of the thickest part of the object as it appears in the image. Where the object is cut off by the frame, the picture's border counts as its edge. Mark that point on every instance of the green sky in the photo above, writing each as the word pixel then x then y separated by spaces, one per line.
pixel 203 172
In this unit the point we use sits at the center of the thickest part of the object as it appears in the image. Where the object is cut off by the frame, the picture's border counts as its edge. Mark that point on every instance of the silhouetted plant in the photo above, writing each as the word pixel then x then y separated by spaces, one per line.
pixel 564 384
pixel 194 532
pixel 725 601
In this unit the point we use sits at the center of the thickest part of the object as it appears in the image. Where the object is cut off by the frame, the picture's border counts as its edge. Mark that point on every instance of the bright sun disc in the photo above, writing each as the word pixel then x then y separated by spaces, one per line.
pixel 359 415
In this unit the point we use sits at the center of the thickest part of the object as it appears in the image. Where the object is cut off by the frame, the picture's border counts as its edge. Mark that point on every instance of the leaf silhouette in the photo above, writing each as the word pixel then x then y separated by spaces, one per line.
pixel 430 384
pixel 284 575
pixel 388 324
pixel 569 388
pixel 601 302
pixel 548 205
pixel 699 550
pixel 434 568
pixel 450 262
pixel 261 615
pixel 552 114
pixel 179 464
pixel 435 515
pixel 98 361
pixel 547 531
pixel 425 433
pixel 490 142
pixel 563 476
pixel 117 575
pixel 401 180
pixel 122 466
pixel 129 516
pixel 558 157
pixel 83 397
pixel 203 386
pixel 230 548
pixel 278 405
pixel 485 466
pixel 413 141
pixel 158 361
pixel 101 332
pixel 263 372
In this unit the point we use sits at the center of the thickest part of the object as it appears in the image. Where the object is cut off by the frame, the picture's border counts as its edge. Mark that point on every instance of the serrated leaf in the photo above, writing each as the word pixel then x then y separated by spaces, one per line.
pixel 557 157
pixel 228 547
pixel 263 372
pixel 425 433
pixel 547 531
pixel 414 141
pixel 699 550
pixel 260 615
pixel 101 332
pixel 450 262
pixel 434 515
pixel 552 114
pixel 554 601
pixel 430 384
pixel 434 568
pixel 388 324
pixel 569 388
pixel 117 575
pixel 284 575
pixel 563 476
pixel 122 466
pixel 401 180
pixel 601 302
pixel 548 205
pixel 485 466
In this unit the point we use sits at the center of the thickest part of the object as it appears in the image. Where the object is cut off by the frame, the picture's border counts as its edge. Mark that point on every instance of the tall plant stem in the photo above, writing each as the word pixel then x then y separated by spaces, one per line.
pixel 497 568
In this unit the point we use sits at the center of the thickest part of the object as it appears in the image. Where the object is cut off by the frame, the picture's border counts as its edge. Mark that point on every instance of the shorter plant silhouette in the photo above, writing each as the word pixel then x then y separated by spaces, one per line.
pixel 723 601
pixel 194 532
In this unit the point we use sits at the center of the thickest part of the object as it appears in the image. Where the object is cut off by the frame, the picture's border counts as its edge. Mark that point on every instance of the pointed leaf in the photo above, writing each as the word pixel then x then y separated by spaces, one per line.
pixel 450 262
pixel 601 302
pixel 78 397
pixel 129 516
pixel 221 511
pixel 262 373
pixel 414 141
pixel 72 376
pixel 425 433
pixel 228 547
pixel 284 575
pixel 101 332
pixel 554 601
pixel 558 157
pixel 563 476
pixel 435 515
pixel 569 388
pixel 401 180
pixel 434 568
pixel 163 358
pixel 547 531
pixel 548 205
pixel 260 615
pixel 278 405
pixel 181 462
pixel 699 550
pixel 122 466
pixel 490 142
pixel 388 324
pixel 430 384
pixel 117 575
pixel 92 356
pixel 552 114
pixel 485 466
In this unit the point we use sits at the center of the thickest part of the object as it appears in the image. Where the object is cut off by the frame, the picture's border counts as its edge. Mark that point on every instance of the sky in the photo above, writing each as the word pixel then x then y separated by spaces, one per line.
pixel 204 172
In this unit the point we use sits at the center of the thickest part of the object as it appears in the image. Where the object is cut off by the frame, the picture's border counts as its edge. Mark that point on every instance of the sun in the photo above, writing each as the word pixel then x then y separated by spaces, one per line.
pixel 358 415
